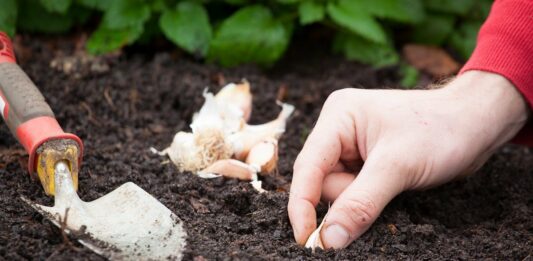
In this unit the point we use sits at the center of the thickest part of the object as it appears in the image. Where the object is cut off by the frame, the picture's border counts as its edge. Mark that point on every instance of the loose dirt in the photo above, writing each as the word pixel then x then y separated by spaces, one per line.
pixel 122 105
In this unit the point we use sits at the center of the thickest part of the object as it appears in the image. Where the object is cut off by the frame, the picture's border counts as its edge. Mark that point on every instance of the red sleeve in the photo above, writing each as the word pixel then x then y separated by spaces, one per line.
pixel 505 46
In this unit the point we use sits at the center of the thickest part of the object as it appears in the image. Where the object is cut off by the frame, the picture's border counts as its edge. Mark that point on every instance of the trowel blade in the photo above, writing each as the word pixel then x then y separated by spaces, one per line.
pixel 126 224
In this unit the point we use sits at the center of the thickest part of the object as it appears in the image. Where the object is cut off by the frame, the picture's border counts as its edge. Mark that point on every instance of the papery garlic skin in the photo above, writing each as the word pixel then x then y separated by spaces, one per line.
pixel 264 156
pixel 232 169
pixel 239 96
pixel 215 115
pixel 243 141
pixel 220 133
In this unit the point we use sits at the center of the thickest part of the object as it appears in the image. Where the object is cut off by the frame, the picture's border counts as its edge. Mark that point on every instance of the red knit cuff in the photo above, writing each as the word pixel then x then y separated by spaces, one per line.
pixel 505 46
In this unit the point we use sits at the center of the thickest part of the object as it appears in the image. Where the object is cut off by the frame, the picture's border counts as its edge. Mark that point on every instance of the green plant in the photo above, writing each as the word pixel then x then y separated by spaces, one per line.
pixel 233 32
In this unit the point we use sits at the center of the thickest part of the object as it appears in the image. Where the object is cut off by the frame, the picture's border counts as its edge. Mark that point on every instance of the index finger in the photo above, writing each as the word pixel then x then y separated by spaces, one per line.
pixel 318 157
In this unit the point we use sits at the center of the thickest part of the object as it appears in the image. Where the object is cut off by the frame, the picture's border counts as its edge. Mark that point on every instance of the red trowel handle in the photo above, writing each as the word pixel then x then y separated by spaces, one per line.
pixel 23 107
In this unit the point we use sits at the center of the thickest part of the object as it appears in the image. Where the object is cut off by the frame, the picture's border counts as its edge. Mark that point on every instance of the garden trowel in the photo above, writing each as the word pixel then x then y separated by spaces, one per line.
pixel 127 223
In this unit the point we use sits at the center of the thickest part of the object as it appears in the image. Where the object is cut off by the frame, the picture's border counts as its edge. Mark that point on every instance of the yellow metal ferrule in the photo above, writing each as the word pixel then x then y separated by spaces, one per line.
pixel 48 155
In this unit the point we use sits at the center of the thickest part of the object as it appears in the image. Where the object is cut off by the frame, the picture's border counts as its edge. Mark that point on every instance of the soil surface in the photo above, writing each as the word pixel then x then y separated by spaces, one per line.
pixel 122 105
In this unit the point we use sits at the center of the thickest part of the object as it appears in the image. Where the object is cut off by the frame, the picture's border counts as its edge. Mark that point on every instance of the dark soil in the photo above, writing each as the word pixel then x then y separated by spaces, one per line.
pixel 122 105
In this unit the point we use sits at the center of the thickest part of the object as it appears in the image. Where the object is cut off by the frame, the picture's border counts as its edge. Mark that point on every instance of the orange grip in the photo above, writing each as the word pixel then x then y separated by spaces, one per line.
pixel 33 133
pixel 6 49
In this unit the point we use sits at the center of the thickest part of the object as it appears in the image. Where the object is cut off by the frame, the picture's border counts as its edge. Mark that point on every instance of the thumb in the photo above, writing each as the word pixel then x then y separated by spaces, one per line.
pixel 360 204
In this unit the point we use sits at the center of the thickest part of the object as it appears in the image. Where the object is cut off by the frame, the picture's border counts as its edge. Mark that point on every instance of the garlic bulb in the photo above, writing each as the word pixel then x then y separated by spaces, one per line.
pixel 219 133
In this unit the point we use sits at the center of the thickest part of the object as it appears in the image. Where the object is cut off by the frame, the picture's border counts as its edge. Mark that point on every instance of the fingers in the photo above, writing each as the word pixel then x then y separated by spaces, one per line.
pixel 319 155
pixel 334 184
pixel 333 136
pixel 359 205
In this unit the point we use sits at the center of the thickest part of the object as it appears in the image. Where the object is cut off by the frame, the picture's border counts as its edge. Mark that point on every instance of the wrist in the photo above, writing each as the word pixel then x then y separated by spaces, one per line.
pixel 490 101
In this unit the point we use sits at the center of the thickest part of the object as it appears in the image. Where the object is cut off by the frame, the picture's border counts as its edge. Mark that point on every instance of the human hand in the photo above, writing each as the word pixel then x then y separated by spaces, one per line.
pixel 404 140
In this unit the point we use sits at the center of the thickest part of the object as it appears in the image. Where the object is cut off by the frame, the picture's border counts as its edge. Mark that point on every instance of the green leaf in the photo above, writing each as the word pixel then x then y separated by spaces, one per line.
pixel 151 30
pixel 310 12
pixel 159 5
pixel 105 40
pixel 33 17
pixel 290 2
pixel 56 6
pixel 457 7
pixel 353 16
pixel 410 76
pixel 80 14
pixel 357 48
pixel 100 5
pixel 249 35
pixel 480 10
pixel 434 30
pixel 8 16
pixel 188 27
pixel 126 13
pixel 236 2
pixel 463 40
pixel 404 11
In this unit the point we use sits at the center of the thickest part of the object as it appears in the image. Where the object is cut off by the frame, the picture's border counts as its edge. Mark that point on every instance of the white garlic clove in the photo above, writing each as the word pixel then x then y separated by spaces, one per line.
pixel 206 175
pixel 238 95
pixel 258 186
pixel 264 155
pixel 209 116
pixel 315 241
pixel 243 141
pixel 182 150
pixel 231 168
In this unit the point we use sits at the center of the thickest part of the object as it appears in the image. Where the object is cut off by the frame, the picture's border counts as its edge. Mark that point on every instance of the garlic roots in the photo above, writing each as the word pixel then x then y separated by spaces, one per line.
pixel 193 152
pixel 221 140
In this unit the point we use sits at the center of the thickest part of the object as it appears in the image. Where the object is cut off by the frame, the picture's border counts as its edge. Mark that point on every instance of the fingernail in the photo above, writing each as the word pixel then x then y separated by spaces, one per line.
pixel 335 236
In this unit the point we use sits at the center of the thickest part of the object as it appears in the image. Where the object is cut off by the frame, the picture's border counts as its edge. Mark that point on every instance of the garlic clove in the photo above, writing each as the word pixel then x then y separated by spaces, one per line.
pixel 220 115
pixel 182 150
pixel 314 239
pixel 258 186
pixel 209 116
pixel 264 155
pixel 243 141
pixel 238 95
pixel 231 168
pixel 207 175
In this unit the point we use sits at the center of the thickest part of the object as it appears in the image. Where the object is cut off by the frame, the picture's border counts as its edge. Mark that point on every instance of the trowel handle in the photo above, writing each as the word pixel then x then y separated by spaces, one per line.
pixel 24 108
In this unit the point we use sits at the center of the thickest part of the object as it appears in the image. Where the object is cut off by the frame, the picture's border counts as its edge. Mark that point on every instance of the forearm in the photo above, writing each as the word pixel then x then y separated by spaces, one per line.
pixel 505 47
pixel 493 100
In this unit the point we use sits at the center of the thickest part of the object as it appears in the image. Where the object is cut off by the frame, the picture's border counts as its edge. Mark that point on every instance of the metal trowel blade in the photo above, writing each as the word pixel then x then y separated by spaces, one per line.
pixel 126 224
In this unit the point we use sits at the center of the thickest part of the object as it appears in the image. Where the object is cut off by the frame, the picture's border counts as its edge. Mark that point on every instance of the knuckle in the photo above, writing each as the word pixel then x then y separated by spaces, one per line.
pixel 360 212
pixel 338 95
pixel 298 164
